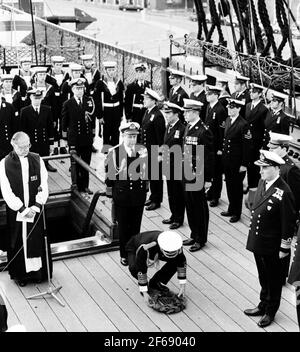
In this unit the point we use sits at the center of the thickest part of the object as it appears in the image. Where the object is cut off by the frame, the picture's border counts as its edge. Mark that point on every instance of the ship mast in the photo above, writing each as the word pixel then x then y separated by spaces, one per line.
pixel 33 33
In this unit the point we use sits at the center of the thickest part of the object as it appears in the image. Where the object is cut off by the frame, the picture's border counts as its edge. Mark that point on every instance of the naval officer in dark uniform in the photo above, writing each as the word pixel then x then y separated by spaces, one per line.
pixel 198 173
pixel 270 234
pixel 279 144
pixel 78 129
pixel 171 158
pixel 153 131
pixel 197 83
pixel 8 127
pixel 146 249
pixel 215 121
pixel 235 154
pixel 241 91
pixel 37 121
pixel 125 173
pixel 133 103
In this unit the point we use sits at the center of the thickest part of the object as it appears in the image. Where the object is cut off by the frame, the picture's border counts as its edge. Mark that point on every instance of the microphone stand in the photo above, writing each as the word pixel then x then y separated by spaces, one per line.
pixel 52 292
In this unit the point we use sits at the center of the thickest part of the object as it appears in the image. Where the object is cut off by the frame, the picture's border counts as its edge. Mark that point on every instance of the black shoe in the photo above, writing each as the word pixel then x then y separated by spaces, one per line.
pixel 94 150
pixel 124 261
pixel 167 221
pixel 63 150
pixel 22 283
pixel 265 321
pixel 254 312
pixel 208 197
pixel 226 213
pixel 158 286
pixel 196 247
pixel 55 151
pixel 175 225
pixel 214 203
pixel 88 191
pixel 148 202
pixel 153 206
pixel 188 242
pixel 50 168
pixel 234 218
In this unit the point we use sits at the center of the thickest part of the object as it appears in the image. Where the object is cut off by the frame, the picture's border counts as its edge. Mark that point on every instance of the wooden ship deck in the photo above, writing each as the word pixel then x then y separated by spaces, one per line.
pixel 100 295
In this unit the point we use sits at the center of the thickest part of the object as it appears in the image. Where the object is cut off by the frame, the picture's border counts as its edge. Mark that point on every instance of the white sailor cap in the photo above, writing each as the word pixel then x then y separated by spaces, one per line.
pixel 169 241
pixel 57 58
pixel 256 87
pixel 213 89
pixel 198 78
pixel 141 66
pixel 79 82
pixel 6 77
pixel 152 94
pixel 39 69
pixel 190 104
pixel 171 107
pixel 278 96
pixel 75 67
pixel 268 158
pixel 175 73
pixel 38 93
pixel 130 128
pixel 109 64
pixel 241 79
pixel 279 138
pixel 87 57
pixel 25 59
pixel 235 103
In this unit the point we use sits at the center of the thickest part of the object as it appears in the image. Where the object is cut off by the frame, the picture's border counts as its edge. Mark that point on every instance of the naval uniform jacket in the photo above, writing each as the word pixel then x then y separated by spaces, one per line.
pixel 236 143
pixel 215 121
pixel 199 134
pixel 21 85
pixel 290 173
pixel 272 222
pixel 91 80
pixel 256 127
pixel 134 107
pixel 39 127
pixel 153 128
pixel 177 96
pixel 78 122
pixel 8 127
pixel 127 180
pixel 147 251
pixel 202 98
pixel 277 122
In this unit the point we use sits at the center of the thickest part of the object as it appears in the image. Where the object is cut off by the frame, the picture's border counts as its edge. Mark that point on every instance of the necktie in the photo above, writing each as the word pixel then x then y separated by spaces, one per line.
pixel 169 128
pixel 80 103
pixel 264 190
pixel 37 110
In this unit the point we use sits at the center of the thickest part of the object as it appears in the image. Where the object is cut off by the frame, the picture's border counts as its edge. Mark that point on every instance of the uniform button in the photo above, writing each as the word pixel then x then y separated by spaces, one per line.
pixel 258 214
pixel 257 227
pixel 256 233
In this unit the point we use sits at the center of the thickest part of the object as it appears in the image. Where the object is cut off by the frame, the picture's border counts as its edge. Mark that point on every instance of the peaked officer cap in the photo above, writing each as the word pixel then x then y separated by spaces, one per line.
pixel 190 104
pixel 213 89
pixel 235 103
pixel 79 82
pixel 152 94
pixel 241 79
pixel 279 138
pixel 175 73
pixel 130 128
pixel 268 158
pixel 38 93
pixel 140 66
pixel 257 87
pixel 168 107
pixel 278 96
pixel 169 241
pixel 198 78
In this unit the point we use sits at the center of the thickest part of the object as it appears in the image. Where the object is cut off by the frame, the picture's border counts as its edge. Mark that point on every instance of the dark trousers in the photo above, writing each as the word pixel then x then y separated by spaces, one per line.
pixel 297 291
pixel 111 131
pixel 268 267
pixel 176 200
pixel 163 275
pixel 129 224
pixel 253 175
pixel 197 214
pixel 82 175
pixel 215 190
pixel 156 186
pixel 234 188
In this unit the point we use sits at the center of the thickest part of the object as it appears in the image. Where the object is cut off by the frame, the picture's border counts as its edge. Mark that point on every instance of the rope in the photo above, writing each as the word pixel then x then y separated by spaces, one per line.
pixel 265 20
pixel 256 27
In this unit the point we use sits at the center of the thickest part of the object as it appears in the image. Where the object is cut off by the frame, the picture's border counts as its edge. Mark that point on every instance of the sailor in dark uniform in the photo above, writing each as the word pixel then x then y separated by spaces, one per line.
pixel 241 91
pixel 75 71
pixel 90 73
pixel 215 121
pixel 22 80
pixel 279 144
pixel 125 173
pixel 276 120
pixel 78 129
pixel 8 125
pixel 171 162
pixel 153 131
pixel 109 98
pixel 134 107
pixel 255 115
pixel 146 249
pixel 270 234
pixel 197 83
pixel 57 76
pixel 37 121
pixel 235 155
pixel 11 96
pixel 198 173
pixel 225 92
